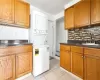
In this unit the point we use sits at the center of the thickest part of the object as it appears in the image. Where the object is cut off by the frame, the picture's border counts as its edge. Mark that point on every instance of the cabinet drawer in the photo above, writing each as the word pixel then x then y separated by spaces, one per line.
pixel 64 47
pixel 76 49
pixel 21 49
pixel 15 49
pixel 92 52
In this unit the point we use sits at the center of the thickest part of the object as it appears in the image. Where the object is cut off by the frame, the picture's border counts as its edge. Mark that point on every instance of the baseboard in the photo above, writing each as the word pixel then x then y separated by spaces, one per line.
pixel 23 77
pixel 57 57
pixel 71 74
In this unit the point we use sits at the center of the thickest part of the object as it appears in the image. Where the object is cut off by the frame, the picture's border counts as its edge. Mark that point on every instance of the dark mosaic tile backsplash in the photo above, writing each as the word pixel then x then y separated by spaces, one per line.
pixel 86 34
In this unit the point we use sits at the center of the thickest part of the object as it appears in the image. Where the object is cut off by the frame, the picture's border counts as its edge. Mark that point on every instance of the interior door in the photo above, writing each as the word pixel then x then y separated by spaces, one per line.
pixel 51 37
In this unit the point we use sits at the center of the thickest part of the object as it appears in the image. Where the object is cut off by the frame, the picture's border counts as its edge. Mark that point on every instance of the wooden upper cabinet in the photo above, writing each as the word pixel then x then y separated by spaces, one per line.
pixel 22 13
pixel 7 68
pixel 7 11
pixel 82 13
pixel 95 11
pixel 92 68
pixel 23 63
pixel 69 18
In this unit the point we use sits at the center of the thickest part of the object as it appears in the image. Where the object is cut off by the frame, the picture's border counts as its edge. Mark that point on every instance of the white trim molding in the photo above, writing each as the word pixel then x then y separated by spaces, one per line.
pixel 59 15
pixel 25 76
pixel 71 3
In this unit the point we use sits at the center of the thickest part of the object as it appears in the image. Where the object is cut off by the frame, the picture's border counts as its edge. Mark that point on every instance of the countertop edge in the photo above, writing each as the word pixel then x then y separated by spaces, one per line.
pixel 88 46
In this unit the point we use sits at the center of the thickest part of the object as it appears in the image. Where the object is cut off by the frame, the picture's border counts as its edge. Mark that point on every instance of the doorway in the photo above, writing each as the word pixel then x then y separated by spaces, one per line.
pixel 51 38
pixel 61 35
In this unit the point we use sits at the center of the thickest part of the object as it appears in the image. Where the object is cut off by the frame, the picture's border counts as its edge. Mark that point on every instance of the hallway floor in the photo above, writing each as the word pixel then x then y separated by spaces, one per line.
pixel 55 73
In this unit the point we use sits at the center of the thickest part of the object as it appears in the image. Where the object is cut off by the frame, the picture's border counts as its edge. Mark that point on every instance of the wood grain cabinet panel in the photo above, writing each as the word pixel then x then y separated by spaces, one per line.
pixel 22 13
pixel 7 11
pixel 65 48
pixel 77 49
pixel 95 11
pixel 82 13
pixel 77 64
pixel 7 68
pixel 23 63
pixel 92 68
pixel 69 18
pixel 62 59
pixel 65 58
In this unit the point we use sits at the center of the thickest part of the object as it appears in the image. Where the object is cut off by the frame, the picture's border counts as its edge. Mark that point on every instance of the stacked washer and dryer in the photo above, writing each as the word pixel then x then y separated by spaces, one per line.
pixel 38 36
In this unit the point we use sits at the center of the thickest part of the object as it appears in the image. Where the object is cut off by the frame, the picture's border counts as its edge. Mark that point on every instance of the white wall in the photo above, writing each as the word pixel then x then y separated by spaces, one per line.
pixel 50 17
pixel 61 33
pixel 60 15
pixel 12 33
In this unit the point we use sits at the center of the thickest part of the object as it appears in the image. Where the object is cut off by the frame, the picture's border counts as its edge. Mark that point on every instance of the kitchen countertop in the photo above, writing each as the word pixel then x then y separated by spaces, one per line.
pixel 81 45
pixel 7 45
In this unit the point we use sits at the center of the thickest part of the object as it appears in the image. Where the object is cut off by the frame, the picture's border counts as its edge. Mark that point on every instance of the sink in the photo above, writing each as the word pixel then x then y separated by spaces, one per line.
pixel 92 44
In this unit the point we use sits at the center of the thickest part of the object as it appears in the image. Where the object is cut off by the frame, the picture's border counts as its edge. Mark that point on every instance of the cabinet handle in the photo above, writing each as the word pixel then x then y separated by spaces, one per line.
pixel 82 56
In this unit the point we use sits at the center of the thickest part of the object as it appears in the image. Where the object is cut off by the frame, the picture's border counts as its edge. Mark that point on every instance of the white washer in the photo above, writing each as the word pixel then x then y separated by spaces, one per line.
pixel 40 59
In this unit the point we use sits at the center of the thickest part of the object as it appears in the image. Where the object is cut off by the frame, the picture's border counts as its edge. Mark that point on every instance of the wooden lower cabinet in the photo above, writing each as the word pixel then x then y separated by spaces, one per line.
pixel 23 64
pixel 77 64
pixel 7 67
pixel 92 68
pixel 65 60
pixel 83 62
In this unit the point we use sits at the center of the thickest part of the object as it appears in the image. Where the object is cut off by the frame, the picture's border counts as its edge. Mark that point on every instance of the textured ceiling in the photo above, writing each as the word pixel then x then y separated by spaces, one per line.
pixel 50 6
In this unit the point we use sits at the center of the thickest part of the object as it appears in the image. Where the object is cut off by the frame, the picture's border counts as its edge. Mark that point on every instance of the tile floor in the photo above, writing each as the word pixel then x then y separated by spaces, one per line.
pixel 55 73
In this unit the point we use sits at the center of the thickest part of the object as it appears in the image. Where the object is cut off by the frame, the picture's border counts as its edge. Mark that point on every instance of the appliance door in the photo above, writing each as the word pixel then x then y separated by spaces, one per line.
pixel 40 40
pixel 41 60
pixel 41 22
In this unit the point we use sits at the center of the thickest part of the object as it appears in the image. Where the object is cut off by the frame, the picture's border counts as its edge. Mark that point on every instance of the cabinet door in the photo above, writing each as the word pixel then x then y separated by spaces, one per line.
pixel 92 68
pixel 7 68
pixel 69 18
pixel 7 11
pixel 23 64
pixel 62 58
pixel 22 14
pixel 77 64
pixel 65 60
pixel 95 11
pixel 82 13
